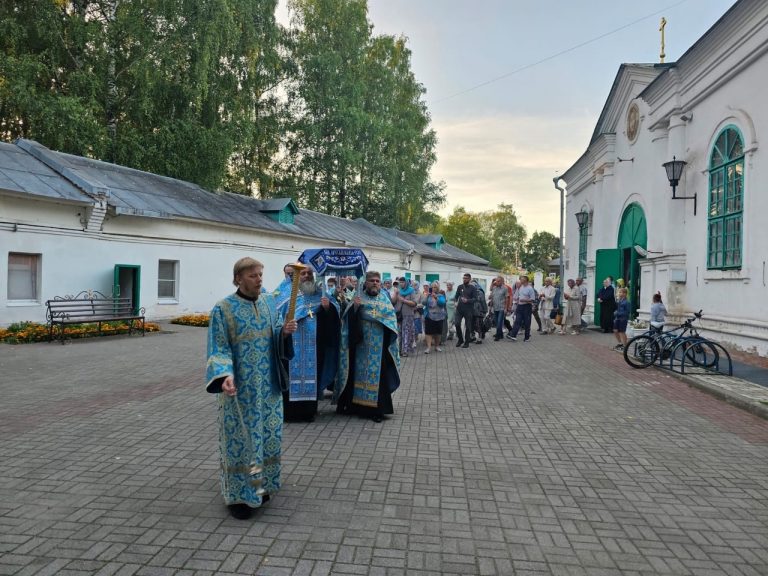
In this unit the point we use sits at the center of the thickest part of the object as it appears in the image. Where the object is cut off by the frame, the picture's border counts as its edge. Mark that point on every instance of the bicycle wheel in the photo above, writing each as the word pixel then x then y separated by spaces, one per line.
pixel 701 353
pixel 641 351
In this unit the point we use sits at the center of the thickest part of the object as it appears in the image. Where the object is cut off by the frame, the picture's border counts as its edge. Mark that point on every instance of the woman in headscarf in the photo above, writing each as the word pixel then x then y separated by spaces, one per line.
pixel 406 299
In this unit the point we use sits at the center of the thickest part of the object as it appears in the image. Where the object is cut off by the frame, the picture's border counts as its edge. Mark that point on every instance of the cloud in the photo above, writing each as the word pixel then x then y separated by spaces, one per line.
pixel 487 160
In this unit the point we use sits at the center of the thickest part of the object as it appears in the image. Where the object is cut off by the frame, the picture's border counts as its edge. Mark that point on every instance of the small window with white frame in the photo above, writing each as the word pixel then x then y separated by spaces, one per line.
pixel 24 277
pixel 168 280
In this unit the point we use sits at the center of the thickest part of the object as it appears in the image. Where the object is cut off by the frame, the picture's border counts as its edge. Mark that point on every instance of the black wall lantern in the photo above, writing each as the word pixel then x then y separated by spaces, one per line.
pixel 582 218
pixel 674 173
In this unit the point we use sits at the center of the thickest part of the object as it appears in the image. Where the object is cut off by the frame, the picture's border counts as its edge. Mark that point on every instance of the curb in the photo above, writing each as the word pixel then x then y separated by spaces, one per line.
pixel 756 408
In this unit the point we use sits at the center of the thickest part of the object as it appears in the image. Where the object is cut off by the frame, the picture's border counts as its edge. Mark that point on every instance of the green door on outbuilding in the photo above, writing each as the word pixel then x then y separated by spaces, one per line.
pixel 127 284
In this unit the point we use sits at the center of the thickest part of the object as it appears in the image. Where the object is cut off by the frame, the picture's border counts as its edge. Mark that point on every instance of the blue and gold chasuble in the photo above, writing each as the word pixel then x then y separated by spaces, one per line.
pixel 244 340
pixel 377 315
pixel 302 384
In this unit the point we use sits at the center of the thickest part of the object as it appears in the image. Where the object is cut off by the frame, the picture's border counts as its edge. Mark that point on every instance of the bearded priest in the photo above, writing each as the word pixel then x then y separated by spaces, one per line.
pixel 369 360
pixel 316 349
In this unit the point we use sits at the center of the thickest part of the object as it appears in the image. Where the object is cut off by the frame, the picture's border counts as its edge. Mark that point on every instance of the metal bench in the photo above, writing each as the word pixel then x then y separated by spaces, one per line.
pixel 92 307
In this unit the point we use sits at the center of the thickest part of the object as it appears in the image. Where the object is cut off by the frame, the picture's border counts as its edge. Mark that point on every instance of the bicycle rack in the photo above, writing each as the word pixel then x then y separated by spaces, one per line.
pixel 720 363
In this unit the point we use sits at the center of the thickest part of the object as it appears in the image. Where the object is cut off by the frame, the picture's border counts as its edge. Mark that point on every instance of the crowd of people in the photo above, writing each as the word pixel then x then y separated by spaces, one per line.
pixel 435 313
pixel 273 355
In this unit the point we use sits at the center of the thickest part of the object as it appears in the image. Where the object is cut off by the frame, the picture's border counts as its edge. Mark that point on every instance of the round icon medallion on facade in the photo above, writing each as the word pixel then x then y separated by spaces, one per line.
pixel 633 122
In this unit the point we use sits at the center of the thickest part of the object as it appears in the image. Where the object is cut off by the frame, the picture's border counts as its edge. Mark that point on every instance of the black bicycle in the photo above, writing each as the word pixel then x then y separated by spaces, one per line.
pixel 683 341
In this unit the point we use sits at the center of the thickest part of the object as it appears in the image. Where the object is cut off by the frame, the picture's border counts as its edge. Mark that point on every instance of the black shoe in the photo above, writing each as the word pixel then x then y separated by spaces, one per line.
pixel 240 511
pixel 377 418
pixel 265 499
pixel 459 343
pixel 465 345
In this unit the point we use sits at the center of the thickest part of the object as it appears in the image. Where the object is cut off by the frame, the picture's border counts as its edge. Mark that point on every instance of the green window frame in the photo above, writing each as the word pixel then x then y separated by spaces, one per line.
pixel 726 201
pixel 583 234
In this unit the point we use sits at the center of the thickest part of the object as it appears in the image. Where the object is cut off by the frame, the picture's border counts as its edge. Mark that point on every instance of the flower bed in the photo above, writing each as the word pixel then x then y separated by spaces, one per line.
pixel 192 320
pixel 26 332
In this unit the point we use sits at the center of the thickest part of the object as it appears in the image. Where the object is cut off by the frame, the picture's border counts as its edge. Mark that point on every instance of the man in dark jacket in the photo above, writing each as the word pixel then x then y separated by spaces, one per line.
pixel 465 297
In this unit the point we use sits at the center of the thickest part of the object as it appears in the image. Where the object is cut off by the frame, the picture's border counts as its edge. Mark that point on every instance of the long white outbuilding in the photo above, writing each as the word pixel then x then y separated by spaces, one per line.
pixel 70 224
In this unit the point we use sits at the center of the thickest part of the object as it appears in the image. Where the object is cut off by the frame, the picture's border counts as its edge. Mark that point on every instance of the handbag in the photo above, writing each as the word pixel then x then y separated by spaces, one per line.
pixel 559 319
pixel 553 314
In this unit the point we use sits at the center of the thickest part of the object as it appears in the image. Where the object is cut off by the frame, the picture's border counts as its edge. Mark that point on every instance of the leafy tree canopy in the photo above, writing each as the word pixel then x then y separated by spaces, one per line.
pixel 540 249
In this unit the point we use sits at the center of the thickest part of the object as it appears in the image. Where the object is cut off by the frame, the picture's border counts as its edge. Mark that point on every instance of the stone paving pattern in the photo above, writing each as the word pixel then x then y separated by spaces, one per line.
pixel 550 457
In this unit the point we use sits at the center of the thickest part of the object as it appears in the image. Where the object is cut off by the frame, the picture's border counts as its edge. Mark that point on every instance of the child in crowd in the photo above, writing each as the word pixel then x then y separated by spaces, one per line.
pixel 620 320
pixel 658 312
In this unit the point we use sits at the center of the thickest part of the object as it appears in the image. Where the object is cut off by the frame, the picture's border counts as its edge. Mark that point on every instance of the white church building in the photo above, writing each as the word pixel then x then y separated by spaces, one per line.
pixel 70 224
pixel 704 243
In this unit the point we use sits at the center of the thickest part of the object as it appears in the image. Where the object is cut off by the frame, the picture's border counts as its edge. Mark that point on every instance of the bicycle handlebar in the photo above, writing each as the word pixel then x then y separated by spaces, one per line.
pixel 695 316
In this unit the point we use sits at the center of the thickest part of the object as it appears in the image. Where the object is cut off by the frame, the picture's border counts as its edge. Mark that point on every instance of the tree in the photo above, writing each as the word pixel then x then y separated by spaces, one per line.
pixel 508 235
pixel 258 116
pixel 465 230
pixel 540 249
pixel 155 85
pixel 49 86
pixel 360 142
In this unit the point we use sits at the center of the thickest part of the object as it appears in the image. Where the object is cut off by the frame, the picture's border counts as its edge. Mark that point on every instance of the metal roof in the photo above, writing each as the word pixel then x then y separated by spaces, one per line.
pixel 23 174
pixel 446 252
pixel 127 191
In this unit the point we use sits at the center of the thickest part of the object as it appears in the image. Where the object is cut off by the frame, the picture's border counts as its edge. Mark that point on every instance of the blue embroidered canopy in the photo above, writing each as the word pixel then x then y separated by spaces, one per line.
pixel 351 260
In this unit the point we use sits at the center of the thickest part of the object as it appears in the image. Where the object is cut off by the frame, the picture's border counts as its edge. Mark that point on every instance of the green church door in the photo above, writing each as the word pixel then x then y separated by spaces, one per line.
pixel 632 232
pixel 607 263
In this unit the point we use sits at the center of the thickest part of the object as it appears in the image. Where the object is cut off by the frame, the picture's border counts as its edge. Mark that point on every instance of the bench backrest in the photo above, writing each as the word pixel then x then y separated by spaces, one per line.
pixel 89 305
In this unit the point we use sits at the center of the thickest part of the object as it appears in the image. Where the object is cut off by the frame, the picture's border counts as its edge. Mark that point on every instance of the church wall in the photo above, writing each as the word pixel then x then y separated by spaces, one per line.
pixel 684 122
pixel 730 298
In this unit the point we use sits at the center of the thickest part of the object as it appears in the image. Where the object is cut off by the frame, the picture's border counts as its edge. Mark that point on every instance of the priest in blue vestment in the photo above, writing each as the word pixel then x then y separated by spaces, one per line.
pixel 247 344
pixel 369 359
pixel 316 349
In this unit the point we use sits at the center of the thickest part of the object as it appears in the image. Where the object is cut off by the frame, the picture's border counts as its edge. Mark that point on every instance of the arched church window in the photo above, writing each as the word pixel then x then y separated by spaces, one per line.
pixel 726 200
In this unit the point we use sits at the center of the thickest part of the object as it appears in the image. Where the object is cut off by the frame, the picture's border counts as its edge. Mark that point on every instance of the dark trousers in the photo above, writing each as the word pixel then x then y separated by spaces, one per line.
pixel 500 316
pixel 466 314
pixel 536 316
pixel 522 320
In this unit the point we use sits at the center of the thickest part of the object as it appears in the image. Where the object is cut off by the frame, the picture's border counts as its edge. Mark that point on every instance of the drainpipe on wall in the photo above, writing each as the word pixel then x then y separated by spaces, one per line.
pixel 557 179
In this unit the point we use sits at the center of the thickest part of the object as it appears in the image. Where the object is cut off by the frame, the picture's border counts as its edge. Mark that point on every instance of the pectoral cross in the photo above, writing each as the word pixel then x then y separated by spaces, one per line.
pixel 309 312
pixel 661 29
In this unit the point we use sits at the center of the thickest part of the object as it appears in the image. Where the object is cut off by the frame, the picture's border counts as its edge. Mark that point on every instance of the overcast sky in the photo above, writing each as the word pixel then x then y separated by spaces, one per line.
pixel 506 140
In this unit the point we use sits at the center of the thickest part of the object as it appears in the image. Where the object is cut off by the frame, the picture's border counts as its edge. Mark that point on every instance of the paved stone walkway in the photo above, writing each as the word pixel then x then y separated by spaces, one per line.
pixel 551 457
